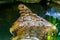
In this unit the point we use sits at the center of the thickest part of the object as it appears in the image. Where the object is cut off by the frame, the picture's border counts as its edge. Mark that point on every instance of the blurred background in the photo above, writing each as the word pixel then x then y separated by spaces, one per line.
pixel 48 9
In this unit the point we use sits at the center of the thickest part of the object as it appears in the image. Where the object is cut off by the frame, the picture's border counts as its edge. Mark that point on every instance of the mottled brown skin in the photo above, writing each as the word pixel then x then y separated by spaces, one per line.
pixel 20 31
pixel 17 31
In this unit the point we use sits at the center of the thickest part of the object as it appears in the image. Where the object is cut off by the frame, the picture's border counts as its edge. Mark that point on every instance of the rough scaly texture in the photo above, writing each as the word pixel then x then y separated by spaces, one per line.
pixel 30 26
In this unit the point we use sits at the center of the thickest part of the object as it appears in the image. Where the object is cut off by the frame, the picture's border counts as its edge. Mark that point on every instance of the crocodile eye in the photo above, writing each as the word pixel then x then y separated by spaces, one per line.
pixel 41 20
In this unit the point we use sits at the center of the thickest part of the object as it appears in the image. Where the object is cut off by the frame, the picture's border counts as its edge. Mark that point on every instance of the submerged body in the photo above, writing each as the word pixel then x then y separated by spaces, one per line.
pixel 30 26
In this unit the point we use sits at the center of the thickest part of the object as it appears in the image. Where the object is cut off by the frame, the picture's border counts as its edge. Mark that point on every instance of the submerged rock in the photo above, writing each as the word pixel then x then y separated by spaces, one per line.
pixel 31 26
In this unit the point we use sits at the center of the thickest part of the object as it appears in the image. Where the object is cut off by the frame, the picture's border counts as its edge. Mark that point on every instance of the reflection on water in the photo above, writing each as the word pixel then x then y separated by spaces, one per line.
pixel 53 13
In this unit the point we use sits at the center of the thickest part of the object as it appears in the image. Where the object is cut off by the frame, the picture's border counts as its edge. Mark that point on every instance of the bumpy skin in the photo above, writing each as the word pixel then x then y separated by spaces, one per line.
pixel 30 24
